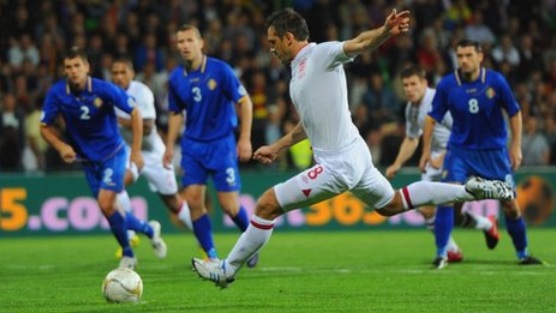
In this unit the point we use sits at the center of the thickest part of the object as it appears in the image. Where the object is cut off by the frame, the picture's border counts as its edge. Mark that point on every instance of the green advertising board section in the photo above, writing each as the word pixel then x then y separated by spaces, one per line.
pixel 62 204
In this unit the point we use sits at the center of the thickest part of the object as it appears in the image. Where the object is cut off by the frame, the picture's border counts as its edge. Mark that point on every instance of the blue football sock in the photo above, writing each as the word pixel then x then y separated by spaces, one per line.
pixel 443 224
pixel 118 226
pixel 241 219
pixel 138 225
pixel 202 228
pixel 518 232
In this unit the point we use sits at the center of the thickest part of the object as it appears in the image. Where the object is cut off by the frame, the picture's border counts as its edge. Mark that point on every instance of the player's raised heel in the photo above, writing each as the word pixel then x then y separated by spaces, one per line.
pixel 213 270
pixel 455 256
pixel 489 189
pixel 158 244
pixel 492 236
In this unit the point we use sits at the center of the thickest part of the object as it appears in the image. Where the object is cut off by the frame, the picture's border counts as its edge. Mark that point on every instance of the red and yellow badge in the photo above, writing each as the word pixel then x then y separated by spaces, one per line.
pixel 490 93
pixel 97 102
pixel 211 84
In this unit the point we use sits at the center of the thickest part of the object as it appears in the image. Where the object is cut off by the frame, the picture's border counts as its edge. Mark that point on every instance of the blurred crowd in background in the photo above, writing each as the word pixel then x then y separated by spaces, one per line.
pixel 518 37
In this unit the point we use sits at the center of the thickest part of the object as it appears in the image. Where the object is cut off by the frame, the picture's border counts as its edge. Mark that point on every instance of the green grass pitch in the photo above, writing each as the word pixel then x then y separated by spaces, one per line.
pixel 345 271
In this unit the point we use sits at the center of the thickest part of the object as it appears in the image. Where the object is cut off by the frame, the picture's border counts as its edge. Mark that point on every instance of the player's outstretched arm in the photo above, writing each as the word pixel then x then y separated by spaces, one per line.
pixel 174 124
pixel 244 147
pixel 516 155
pixel 267 154
pixel 427 139
pixel 395 24
pixel 66 151
pixel 408 147
pixel 137 129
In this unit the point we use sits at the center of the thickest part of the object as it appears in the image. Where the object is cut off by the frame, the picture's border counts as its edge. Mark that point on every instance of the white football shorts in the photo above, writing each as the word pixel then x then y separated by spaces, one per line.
pixel 350 169
pixel 161 179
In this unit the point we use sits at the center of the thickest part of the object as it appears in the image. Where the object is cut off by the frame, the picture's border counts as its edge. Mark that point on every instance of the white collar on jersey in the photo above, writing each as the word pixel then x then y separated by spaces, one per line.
pixel 89 85
pixel 202 67
pixel 482 76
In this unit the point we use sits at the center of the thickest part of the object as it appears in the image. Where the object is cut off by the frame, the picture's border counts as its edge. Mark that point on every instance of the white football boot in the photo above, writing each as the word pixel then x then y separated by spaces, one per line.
pixel 213 270
pixel 158 244
pixel 128 262
pixel 489 189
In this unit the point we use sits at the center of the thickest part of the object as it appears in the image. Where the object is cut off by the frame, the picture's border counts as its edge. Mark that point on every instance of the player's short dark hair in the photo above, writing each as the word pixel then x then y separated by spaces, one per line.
pixel 470 43
pixel 125 60
pixel 414 70
pixel 75 52
pixel 194 28
pixel 287 20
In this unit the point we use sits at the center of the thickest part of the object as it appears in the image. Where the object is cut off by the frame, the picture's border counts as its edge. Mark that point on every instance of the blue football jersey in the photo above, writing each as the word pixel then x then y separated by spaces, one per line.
pixel 208 95
pixel 91 123
pixel 476 108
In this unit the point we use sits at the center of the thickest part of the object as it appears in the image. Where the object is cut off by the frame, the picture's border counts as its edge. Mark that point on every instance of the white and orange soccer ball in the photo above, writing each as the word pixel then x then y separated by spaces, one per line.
pixel 122 285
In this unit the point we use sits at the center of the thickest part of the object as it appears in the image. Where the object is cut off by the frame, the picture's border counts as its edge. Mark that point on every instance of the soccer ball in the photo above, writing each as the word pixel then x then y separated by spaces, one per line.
pixel 122 285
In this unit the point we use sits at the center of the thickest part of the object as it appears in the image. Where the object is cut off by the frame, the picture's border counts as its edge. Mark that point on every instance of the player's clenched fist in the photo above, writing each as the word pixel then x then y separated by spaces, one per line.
pixel 265 154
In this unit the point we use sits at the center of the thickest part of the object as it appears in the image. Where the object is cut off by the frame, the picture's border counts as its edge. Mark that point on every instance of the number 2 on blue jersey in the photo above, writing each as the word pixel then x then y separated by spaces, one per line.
pixel 85 113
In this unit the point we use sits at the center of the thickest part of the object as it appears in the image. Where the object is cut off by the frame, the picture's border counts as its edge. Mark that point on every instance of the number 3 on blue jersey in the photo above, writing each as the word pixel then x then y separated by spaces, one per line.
pixel 197 96
pixel 473 106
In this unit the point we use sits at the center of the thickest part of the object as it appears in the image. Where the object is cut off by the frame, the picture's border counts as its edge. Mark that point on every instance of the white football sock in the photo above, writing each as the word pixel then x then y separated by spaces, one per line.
pixel 424 192
pixel 125 203
pixel 250 242
pixel 452 245
pixel 429 223
pixel 124 200
pixel 184 215
pixel 481 222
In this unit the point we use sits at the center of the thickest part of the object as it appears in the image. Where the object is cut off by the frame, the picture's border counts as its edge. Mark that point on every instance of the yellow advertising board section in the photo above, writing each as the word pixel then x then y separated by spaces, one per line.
pixel 62 204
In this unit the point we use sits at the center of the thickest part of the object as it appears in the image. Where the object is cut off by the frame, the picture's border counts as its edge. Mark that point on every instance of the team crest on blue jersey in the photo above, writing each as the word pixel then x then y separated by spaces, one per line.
pixel 97 102
pixel 211 84
pixel 490 93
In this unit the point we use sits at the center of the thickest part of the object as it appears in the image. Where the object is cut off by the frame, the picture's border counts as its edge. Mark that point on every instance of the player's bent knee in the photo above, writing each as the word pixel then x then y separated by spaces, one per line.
pixel 511 209
pixel 386 211
pixel 106 207
pixel 268 206
pixel 395 206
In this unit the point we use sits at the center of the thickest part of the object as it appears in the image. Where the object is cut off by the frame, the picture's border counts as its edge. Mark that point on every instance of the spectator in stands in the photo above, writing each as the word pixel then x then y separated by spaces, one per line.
pixel 478 30
pixel 380 98
pixel 12 138
pixel 22 49
pixel 505 51
pixel 534 144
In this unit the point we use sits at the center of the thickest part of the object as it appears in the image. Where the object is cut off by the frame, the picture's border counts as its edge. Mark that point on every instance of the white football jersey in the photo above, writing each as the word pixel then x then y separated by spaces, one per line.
pixel 415 122
pixel 144 98
pixel 318 89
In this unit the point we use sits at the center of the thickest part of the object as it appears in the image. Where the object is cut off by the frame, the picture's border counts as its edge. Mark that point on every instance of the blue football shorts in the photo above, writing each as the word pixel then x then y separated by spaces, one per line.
pixel 492 164
pixel 107 174
pixel 217 159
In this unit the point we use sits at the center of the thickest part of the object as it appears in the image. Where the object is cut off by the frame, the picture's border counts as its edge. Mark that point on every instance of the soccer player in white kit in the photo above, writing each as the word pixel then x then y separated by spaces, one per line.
pixel 419 96
pixel 162 179
pixel 318 90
